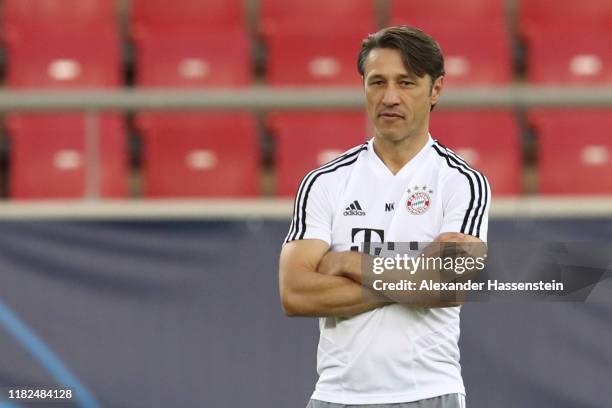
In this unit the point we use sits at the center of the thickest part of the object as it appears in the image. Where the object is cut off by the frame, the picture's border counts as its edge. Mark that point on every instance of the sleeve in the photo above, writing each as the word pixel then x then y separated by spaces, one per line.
pixel 312 211
pixel 466 203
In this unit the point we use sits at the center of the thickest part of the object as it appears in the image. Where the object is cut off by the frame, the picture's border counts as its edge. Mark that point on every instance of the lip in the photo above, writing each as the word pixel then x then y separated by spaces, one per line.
pixel 391 115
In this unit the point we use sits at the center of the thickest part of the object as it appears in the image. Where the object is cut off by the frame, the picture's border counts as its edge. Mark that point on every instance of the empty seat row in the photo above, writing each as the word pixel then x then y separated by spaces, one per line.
pixel 277 15
pixel 195 43
pixel 205 155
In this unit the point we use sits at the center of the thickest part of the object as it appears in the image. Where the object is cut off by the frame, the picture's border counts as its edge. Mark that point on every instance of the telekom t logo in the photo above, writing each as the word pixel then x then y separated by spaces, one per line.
pixel 368 233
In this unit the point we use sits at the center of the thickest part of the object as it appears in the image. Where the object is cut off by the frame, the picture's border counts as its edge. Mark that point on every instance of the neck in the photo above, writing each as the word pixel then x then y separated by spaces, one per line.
pixel 396 154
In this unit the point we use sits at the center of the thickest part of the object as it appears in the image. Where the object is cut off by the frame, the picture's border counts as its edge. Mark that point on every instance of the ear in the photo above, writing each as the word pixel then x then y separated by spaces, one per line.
pixel 436 89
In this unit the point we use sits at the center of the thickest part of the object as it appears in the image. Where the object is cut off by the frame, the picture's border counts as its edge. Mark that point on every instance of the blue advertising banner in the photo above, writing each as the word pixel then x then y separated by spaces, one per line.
pixel 186 313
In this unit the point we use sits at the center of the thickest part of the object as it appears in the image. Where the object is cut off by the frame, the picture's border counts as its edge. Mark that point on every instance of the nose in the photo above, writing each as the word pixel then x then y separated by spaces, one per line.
pixel 391 97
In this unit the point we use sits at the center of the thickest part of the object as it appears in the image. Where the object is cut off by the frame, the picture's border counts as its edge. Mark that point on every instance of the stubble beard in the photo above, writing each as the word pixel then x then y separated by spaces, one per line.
pixel 394 136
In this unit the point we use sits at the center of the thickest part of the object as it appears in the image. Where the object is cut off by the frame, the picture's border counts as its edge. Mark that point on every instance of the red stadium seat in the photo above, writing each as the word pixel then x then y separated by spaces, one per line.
pixel 471 33
pixel 200 155
pixel 488 140
pixel 473 59
pixel 563 15
pixel 62 43
pixel 575 151
pixel 278 16
pixel 567 41
pixel 299 59
pixel 314 43
pixel 306 140
pixel 56 59
pixel 569 57
pixel 194 43
pixel 59 14
pixel 198 60
pixel 209 15
pixel 457 14
pixel 48 156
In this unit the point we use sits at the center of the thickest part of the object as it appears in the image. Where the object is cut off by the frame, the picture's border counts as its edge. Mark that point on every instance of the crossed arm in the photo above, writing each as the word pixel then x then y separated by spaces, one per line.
pixel 305 291
pixel 316 282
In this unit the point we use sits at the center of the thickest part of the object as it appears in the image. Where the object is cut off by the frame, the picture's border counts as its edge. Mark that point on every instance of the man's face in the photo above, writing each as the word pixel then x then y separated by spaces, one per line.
pixel 398 102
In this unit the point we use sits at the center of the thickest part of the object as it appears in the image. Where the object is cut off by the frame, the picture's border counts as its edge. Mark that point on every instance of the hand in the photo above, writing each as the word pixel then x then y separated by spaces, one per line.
pixel 468 244
pixel 346 264
pixel 454 237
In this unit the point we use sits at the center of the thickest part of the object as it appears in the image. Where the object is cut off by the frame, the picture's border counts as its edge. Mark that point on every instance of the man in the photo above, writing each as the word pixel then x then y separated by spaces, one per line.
pixel 400 186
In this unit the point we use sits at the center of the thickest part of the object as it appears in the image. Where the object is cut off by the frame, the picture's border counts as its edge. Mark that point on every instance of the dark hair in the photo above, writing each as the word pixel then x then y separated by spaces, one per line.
pixel 420 53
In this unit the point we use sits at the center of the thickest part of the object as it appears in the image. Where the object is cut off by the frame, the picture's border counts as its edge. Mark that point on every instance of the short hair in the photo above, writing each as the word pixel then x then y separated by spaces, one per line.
pixel 420 53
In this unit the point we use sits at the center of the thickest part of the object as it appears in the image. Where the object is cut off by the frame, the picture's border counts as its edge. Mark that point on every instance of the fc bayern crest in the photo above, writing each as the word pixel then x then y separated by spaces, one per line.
pixel 418 202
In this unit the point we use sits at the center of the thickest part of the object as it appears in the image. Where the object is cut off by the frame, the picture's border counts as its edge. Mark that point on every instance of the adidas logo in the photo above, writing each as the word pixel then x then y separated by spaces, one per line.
pixel 354 209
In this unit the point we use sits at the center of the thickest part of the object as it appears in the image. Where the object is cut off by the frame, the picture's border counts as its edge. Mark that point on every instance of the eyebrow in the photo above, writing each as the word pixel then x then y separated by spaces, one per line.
pixel 399 76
